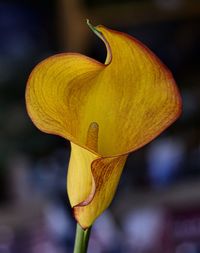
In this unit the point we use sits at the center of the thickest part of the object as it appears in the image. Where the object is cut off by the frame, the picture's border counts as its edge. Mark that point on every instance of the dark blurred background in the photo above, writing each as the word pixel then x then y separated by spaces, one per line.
pixel 157 205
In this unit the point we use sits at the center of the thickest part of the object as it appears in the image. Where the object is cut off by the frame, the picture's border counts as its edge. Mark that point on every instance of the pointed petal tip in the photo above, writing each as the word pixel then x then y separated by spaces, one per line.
pixel 88 22
pixel 93 28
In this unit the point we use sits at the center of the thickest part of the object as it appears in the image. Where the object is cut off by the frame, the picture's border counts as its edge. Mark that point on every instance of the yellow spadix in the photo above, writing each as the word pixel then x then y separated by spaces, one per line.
pixel 105 110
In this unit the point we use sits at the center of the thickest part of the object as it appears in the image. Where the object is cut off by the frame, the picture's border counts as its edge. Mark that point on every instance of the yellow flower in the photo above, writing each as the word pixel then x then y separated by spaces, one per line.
pixel 105 110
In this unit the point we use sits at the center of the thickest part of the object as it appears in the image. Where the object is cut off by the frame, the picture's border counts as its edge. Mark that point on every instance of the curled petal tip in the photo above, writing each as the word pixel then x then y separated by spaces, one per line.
pixel 95 30
pixel 88 21
pixel 89 24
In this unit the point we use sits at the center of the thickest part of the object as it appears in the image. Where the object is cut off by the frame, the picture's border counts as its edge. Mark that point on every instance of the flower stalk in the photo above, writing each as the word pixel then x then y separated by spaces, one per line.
pixel 82 239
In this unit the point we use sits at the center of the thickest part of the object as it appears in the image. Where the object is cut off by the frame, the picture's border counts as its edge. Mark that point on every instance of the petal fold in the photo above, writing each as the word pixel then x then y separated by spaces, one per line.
pixel 105 173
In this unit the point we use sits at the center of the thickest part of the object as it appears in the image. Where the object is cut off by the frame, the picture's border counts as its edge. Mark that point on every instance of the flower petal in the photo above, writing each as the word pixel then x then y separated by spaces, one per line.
pixel 133 97
pixel 105 110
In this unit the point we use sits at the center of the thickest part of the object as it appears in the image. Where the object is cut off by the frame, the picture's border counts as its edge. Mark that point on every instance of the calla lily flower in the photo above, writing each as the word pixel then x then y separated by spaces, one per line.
pixel 105 110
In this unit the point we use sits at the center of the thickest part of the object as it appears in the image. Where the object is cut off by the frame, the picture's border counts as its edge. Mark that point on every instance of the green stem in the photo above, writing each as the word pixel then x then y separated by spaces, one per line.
pixel 82 239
